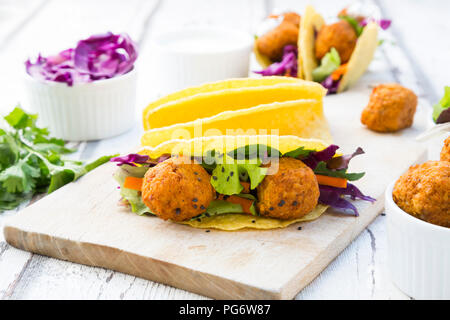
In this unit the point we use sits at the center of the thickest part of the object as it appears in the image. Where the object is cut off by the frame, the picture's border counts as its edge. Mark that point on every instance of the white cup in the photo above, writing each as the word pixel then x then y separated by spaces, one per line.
pixel 418 253
pixel 195 55
pixel 84 111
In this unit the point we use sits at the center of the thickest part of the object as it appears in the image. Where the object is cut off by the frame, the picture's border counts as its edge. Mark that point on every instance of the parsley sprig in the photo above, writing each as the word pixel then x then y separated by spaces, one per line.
pixel 33 162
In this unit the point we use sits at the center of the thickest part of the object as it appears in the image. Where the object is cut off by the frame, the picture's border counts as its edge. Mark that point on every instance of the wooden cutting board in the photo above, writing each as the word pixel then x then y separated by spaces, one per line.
pixel 82 222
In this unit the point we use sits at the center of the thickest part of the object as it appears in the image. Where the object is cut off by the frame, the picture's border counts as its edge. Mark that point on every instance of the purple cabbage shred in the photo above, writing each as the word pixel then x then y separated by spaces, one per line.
pixel 383 23
pixel 330 84
pixel 325 155
pixel 334 197
pixel 131 159
pixel 286 67
pixel 98 57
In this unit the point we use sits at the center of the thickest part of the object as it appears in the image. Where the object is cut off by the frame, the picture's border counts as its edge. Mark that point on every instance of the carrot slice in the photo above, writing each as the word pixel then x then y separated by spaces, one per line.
pixel 336 74
pixel 245 203
pixel 331 181
pixel 246 186
pixel 133 183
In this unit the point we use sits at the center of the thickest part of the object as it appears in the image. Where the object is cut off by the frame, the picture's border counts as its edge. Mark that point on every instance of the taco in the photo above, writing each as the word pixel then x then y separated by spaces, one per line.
pixel 228 95
pixel 336 55
pixel 236 182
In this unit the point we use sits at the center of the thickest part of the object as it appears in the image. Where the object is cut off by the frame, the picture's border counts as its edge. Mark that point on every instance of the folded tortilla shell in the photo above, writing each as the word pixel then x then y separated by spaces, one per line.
pixel 310 23
pixel 199 146
pixel 233 221
pixel 361 57
pixel 186 108
pixel 302 118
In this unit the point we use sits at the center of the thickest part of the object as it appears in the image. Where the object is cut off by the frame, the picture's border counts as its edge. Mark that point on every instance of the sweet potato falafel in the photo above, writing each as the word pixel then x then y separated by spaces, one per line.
pixel 391 108
pixel 424 192
pixel 339 35
pixel 272 43
pixel 177 189
pixel 445 153
pixel 292 192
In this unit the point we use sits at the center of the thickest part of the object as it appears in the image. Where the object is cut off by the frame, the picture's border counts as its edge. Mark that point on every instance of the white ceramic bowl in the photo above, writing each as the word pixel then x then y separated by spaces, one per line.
pixel 195 55
pixel 418 253
pixel 85 111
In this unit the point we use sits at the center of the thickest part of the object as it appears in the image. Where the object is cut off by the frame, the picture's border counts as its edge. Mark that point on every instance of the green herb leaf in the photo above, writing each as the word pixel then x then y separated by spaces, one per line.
pixel 354 23
pixel 299 153
pixel 330 62
pixel 443 104
pixel 323 170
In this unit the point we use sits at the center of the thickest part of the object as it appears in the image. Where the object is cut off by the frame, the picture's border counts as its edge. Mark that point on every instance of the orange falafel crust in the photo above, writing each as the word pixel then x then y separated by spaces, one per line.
pixel 339 35
pixel 391 108
pixel 445 152
pixel 273 42
pixel 177 189
pixel 424 192
pixel 292 192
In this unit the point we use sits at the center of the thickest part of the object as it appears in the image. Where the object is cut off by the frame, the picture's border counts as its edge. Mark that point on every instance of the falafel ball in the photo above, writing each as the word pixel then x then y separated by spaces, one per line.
pixel 391 108
pixel 445 153
pixel 273 42
pixel 177 189
pixel 424 192
pixel 290 193
pixel 339 35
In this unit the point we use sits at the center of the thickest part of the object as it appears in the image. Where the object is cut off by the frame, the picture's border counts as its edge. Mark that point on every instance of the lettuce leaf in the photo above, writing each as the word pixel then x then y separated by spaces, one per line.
pixel 330 62
pixel 442 107
pixel 226 176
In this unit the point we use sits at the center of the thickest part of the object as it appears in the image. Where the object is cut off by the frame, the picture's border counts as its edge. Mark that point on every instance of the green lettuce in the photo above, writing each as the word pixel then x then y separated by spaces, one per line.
pixel 443 104
pixel 225 177
pixel 330 62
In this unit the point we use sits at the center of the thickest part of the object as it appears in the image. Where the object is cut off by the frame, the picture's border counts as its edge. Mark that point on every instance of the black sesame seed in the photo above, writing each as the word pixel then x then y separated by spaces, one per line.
pixel 281 203
pixel 207 214
pixel 271 208
pixel 228 179
pixel 207 231
pixel 199 220
pixel 223 169
pixel 195 172
pixel 202 207
pixel 195 206
pixel 214 177
pixel 383 214
pixel 199 179
pixel 177 210
pixel 231 173
pixel 194 200
pixel 225 197
pixel 253 221
pixel 294 203
pixel 299 228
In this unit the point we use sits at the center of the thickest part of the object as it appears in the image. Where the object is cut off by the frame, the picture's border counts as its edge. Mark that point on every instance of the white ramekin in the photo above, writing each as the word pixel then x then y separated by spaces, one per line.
pixel 418 253
pixel 85 111
pixel 194 55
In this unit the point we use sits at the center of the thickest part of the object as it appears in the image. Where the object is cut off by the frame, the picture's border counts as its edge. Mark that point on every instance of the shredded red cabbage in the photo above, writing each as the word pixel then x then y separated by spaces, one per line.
pixel 334 197
pixel 325 155
pixel 330 84
pixel 131 159
pixel 286 67
pixel 98 57
pixel 339 163
pixel 383 23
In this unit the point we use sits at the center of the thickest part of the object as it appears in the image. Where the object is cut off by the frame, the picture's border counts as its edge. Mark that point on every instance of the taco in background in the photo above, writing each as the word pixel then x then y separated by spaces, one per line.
pixel 236 182
pixel 336 55
pixel 276 50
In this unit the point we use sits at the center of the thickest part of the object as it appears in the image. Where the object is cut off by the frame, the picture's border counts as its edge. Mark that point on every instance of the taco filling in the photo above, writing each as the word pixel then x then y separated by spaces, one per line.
pixel 255 183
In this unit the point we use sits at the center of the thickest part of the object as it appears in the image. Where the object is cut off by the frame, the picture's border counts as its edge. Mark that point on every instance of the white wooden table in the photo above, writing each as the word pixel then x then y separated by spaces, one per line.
pixel 415 54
